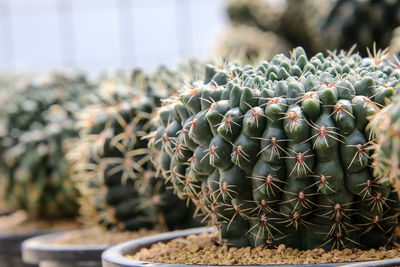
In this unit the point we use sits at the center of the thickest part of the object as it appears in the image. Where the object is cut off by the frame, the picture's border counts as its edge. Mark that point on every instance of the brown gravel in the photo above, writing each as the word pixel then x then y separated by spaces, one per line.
pixel 18 222
pixel 202 249
pixel 98 236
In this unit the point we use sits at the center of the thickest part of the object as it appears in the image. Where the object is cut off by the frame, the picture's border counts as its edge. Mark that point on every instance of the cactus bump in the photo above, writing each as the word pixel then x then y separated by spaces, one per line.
pixel 280 153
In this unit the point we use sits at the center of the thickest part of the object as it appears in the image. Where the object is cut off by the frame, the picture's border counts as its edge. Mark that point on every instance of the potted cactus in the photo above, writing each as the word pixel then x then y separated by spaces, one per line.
pixel 121 197
pixel 37 128
pixel 277 157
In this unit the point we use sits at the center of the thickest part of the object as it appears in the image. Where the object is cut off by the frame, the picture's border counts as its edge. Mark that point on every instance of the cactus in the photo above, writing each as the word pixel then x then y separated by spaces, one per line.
pixel 257 13
pixel 37 129
pixel 333 24
pixel 111 161
pixel 361 22
pixel 284 19
pixel 278 153
pixel 386 125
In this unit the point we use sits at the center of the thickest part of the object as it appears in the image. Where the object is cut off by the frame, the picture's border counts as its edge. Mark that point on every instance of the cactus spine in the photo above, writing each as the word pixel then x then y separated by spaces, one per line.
pixel 278 153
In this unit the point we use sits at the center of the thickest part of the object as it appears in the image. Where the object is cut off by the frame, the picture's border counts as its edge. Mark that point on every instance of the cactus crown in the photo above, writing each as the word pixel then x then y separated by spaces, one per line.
pixel 278 153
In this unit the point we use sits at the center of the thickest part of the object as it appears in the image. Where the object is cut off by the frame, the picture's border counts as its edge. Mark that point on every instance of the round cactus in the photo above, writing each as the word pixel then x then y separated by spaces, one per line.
pixel 112 164
pixel 38 126
pixel 386 125
pixel 279 153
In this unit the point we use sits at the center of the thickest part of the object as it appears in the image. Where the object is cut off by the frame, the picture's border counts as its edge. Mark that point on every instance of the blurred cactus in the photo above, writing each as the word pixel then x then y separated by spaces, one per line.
pixel 386 162
pixel 279 153
pixel 37 126
pixel 249 43
pixel 361 22
pixel 111 162
pixel 394 47
pixel 332 24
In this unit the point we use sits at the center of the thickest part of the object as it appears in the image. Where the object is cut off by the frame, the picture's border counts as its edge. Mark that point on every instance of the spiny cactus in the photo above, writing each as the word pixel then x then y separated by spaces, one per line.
pixel 386 125
pixel 113 164
pixel 37 129
pixel 278 153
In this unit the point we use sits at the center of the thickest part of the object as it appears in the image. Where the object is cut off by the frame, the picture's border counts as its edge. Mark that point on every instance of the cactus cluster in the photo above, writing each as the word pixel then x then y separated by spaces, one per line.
pixel 112 164
pixel 37 127
pixel 279 153
pixel 333 24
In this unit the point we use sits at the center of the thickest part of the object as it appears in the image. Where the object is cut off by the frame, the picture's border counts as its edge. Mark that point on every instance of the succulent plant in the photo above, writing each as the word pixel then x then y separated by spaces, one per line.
pixel 37 128
pixel 333 24
pixel 112 163
pixel 283 19
pixel 361 22
pixel 278 153
pixel 386 125
pixel 258 13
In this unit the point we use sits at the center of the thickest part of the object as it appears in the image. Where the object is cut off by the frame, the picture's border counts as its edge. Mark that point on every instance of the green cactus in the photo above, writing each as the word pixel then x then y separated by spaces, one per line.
pixel 278 153
pixel 38 128
pixel 386 125
pixel 111 161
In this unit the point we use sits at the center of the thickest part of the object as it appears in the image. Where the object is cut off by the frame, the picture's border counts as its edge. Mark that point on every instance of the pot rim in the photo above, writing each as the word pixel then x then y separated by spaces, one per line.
pixel 38 249
pixel 40 243
pixel 115 255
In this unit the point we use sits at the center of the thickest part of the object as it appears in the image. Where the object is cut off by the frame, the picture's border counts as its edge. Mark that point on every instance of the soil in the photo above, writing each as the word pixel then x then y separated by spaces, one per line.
pixel 99 236
pixel 18 222
pixel 203 250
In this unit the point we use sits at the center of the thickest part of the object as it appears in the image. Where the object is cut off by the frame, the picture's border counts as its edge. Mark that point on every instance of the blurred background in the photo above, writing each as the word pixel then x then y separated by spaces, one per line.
pixel 93 35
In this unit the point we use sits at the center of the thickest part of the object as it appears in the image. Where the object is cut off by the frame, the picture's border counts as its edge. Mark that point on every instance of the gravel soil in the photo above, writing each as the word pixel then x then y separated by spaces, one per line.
pixel 203 249
pixel 98 236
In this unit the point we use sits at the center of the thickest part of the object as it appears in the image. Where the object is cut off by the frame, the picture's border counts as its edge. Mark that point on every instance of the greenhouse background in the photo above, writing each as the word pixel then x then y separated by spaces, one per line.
pixel 97 34
pixel 199 132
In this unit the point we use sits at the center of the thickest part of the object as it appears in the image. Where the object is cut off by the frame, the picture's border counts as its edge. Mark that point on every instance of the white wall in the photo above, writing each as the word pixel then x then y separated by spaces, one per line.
pixel 94 35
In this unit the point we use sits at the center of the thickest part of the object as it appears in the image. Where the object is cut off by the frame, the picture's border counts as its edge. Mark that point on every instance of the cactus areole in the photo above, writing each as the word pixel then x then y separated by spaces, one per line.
pixel 279 153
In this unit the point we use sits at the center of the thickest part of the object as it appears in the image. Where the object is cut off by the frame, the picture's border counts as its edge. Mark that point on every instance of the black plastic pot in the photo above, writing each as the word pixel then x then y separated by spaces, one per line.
pixel 40 250
pixel 10 248
pixel 381 263
pixel 115 255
